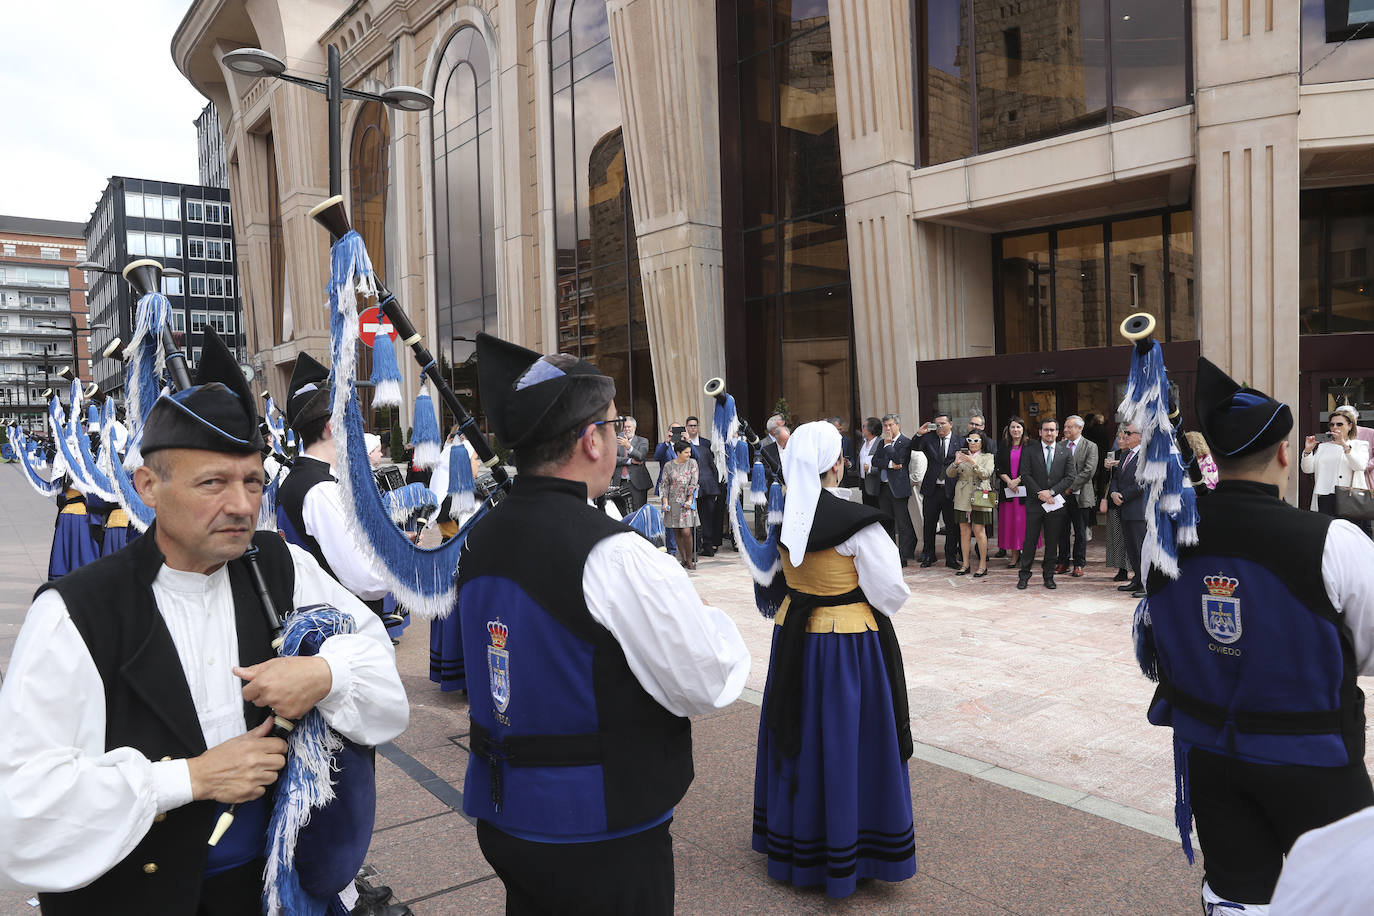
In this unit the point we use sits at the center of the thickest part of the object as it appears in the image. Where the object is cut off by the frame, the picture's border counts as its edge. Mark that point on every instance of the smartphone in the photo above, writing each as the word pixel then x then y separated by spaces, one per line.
pixel 1325 437
pixel 964 451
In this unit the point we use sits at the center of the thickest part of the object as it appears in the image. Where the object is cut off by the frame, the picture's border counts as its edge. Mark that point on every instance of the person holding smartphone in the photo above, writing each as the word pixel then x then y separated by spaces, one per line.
pixel 1337 461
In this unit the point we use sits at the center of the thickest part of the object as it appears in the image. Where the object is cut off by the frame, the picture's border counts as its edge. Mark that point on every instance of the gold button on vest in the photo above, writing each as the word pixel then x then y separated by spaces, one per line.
pixel 158 819
pixel 150 868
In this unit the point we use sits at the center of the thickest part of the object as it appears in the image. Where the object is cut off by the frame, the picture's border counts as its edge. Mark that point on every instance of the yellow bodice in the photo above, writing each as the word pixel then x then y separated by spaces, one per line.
pixel 76 504
pixel 826 572
pixel 117 518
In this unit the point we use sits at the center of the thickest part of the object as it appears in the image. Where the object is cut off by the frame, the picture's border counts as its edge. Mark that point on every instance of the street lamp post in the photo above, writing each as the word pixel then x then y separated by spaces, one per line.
pixel 259 63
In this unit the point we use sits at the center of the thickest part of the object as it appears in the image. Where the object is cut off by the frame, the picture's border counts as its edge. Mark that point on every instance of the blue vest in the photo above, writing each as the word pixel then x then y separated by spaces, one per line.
pixel 1254 661
pixel 566 745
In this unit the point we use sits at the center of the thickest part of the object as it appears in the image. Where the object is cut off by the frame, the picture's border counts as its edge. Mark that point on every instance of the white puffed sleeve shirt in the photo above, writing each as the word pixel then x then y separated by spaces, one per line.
pixel 70 810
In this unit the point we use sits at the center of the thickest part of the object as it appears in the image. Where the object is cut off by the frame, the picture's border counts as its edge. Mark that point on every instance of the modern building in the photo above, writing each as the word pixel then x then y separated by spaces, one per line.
pixel 43 319
pixel 184 226
pixel 214 171
pixel 855 206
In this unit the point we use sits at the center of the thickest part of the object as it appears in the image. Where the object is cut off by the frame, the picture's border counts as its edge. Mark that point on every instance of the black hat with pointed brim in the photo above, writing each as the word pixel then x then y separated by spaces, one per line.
pixel 308 397
pixel 1235 420
pixel 216 414
pixel 529 398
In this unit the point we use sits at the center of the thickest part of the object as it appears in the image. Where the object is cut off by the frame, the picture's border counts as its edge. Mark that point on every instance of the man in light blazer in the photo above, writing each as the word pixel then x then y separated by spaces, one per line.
pixel 1046 475
pixel 1081 497
pixel 631 453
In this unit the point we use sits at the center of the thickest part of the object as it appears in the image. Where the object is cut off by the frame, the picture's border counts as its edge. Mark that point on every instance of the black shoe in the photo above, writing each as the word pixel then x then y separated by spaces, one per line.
pixel 963 571
pixel 953 564
pixel 373 895
pixel 1132 586
pixel 1000 553
pixel 1138 594
pixel 1049 582
pixel 904 562
pixel 1121 576
pixel 928 561
pixel 708 552
pixel 1022 584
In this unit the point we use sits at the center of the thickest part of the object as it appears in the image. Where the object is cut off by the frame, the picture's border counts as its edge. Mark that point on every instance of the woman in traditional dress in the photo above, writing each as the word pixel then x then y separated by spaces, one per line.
pixel 445 634
pixel 1011 511
pixel 832 798
pixel 677 487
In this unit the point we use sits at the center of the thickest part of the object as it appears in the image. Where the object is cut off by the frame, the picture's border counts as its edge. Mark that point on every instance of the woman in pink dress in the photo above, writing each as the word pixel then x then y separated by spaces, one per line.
pixel 1011 512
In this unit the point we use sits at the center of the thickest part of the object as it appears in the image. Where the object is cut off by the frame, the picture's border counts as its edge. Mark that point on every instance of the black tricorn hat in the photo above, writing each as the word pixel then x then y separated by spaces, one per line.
pixel 308 397
pixel 529 398
pixel 1236 420
pixel 216 414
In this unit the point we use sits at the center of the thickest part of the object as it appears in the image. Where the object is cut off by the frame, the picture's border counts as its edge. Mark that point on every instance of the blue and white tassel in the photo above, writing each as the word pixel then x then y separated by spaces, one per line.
pixel 26 453
pixel 424 433
pixel 462 489
pixel 423 579
pixel 386 374
pixel 406 501
pixel 142 374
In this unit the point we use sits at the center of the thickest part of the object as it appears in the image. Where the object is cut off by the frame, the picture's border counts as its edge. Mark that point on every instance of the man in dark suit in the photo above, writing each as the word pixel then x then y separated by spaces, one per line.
pixel 708 489
pixel 631 453
pixel 873 435
pixel 1047 474
pixel 850 478
pixel 890 458
pixel 940 443
pixel 771 450
pixel 1126 491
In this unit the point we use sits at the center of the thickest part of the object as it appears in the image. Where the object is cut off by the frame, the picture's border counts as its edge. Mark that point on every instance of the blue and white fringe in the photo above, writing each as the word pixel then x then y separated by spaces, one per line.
pixel 386 375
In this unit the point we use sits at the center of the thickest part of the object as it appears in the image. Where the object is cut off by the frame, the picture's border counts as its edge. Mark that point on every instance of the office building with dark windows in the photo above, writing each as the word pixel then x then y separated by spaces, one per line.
pixel 43 317
pixel 185 227
pixel 852 206
pixel 214 171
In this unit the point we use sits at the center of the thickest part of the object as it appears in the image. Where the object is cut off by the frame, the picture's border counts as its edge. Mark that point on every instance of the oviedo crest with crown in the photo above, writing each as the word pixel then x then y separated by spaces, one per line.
pixel 498 664
pixel 1221 609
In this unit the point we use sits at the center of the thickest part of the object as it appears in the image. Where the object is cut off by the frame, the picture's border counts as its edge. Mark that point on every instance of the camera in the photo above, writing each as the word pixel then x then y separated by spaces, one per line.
pixel 678 433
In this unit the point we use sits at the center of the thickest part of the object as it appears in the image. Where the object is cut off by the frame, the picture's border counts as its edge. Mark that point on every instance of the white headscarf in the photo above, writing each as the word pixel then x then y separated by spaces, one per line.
pixel 813 449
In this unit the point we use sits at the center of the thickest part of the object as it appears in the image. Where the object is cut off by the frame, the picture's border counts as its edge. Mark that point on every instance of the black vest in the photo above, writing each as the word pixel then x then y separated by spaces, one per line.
pixel 148 707
pixel 523 564
pixel 306 473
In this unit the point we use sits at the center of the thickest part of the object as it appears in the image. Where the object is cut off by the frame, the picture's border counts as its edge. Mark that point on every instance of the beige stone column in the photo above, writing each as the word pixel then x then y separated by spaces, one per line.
pixel 1246 201
pixel 871 45
pixel 665 60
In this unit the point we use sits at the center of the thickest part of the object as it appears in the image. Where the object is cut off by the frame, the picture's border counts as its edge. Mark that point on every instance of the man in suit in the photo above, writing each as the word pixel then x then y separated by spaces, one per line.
pixel 891 457
pixel 851 467
pixel 631 453
pixel 1046 475
pixel 873 434
pixel 1126 491
pixel 940 444
pixel 771 451
pixel 1080 497
pixel 708 489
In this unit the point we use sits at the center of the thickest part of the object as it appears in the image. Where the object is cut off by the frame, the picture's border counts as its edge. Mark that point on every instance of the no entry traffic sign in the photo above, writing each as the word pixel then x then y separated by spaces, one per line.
pixel 372 322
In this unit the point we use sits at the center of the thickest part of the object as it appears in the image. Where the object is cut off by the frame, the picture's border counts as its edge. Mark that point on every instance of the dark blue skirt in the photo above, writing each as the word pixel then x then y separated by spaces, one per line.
pixel 446 653
pixel 394 628
pixel 116 539
pixel 841 809
pixel 73 546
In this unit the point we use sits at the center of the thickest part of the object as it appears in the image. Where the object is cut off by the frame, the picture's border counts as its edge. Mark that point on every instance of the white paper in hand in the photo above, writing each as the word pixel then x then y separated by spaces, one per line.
pixel 1012 493
pixel 1056 503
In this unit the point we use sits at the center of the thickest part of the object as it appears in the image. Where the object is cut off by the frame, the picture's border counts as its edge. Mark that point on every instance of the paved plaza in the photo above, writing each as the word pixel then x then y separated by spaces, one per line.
pixel 1038 786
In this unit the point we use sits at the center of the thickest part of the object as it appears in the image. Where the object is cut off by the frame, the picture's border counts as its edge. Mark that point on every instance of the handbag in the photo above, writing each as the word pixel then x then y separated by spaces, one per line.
pixel 1354 504
pixel 984 499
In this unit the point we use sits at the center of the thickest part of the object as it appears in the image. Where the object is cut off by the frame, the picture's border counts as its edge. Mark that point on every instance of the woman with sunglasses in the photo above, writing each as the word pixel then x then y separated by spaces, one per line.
pixel 678 488
pixel 1336 464
pixel 973 468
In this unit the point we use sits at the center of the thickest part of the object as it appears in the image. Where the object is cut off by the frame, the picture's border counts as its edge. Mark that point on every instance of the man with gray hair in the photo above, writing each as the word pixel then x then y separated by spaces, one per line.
pixel 631 452
pixel 1079 498
pixel 771 452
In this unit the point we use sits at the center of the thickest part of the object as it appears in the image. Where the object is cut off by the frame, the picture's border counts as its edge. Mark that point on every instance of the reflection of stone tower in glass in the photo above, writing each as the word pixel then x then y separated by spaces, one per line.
pixel 1030 69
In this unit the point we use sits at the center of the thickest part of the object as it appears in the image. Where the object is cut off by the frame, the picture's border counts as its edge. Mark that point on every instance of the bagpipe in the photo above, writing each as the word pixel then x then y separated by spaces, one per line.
pixel 741 474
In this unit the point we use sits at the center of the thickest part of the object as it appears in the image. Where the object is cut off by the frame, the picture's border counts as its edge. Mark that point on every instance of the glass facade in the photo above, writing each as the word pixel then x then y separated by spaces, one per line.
pixel 275 247
pixel 1336 40
pixel 1069 287
pixel 464 221
pixel 794 293
pixel 1336 291
pixel 370 176
pixel 992 75
pixel 600 299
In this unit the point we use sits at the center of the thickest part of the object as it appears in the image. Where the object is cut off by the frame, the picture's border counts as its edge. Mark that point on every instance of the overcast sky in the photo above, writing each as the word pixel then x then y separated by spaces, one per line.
pixel 88 90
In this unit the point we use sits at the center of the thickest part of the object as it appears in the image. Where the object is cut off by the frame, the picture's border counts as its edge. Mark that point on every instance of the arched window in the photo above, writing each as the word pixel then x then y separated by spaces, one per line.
pixel 464 225
pixel 369 180
pixel 600 301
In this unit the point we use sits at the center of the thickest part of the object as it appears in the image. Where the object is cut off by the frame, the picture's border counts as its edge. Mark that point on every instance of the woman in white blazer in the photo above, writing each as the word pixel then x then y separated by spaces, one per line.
pixel 1335 465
